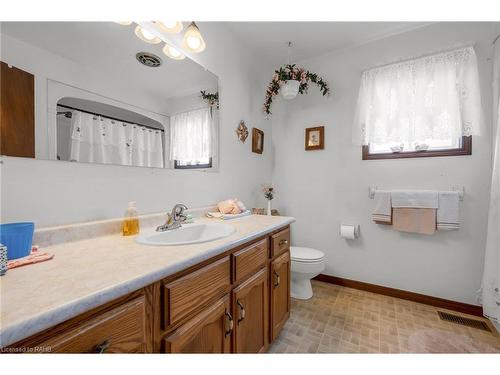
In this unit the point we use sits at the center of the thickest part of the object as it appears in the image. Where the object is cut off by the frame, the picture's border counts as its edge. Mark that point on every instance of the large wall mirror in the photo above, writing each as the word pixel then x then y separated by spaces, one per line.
pixel 93 92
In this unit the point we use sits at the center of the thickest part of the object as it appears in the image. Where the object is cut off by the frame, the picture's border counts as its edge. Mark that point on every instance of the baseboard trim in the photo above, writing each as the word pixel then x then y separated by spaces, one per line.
pixel 403 294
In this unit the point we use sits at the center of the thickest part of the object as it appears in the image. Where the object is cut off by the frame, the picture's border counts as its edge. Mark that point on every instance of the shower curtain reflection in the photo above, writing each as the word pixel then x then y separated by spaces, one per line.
pixel 97 139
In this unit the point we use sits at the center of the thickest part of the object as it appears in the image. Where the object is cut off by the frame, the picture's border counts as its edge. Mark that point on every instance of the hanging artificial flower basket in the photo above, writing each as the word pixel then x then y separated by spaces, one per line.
pixel 212 99
pixel 292 80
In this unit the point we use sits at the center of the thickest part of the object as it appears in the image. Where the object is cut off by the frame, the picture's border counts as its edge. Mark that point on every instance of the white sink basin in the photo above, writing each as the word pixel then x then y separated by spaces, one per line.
pixel 187 234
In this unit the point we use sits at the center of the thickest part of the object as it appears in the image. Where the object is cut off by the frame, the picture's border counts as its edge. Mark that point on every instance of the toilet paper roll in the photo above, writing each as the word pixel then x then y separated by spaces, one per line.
pixel 349 232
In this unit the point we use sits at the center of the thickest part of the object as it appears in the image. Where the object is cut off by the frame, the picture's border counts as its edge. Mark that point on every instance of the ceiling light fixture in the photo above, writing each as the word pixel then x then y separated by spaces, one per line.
pixel 124 23
pixel 173 53
pixel 193 41
pixel 146 35
pixel 171 27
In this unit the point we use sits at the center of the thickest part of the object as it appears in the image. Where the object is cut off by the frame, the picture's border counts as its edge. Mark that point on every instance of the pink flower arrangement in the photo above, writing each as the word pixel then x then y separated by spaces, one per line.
pixel 291 72
pixel 268 191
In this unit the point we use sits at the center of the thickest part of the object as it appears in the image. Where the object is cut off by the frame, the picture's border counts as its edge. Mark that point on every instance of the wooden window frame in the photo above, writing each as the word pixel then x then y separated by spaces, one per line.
pixel 465 149
pixel 192 166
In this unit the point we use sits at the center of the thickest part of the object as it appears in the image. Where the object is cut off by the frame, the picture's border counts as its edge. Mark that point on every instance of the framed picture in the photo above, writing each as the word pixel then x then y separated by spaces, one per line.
pixel 257 141
pixel 315 138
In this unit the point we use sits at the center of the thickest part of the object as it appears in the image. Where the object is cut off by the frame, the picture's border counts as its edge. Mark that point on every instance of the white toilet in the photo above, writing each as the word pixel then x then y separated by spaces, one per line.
pixel 306 264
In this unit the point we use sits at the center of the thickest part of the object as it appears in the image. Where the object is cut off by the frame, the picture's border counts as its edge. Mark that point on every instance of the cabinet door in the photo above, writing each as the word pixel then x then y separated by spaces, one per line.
pixel 208 332
pixel 280 293
pixel 251 312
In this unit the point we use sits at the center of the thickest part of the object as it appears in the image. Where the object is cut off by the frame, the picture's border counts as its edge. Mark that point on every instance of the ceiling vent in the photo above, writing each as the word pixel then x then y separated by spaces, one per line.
pixel 148 59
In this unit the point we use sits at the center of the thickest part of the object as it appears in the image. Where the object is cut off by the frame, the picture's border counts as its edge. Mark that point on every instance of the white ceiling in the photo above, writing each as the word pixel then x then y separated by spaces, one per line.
pixel 110 48
pixel 270 39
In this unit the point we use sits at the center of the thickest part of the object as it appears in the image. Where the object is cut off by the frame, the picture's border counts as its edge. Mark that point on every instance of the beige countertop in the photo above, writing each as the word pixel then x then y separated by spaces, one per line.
pixel 88 273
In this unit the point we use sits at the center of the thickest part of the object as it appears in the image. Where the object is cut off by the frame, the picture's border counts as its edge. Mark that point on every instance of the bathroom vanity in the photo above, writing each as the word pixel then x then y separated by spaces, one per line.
pixel 227 296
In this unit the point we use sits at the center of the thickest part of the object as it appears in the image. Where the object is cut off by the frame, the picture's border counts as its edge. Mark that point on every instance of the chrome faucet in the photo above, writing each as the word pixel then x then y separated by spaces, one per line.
pixel 174 219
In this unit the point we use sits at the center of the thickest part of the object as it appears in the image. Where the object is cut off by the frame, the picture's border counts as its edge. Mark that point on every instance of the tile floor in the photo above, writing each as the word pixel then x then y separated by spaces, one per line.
pixel 345 320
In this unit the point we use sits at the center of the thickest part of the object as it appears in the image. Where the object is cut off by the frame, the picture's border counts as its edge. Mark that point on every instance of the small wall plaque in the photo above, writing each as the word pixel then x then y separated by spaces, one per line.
pixel 242 131
pixel 257 141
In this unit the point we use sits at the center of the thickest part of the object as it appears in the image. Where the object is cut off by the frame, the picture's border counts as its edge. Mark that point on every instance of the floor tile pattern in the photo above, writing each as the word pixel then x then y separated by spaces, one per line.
pixel 345 320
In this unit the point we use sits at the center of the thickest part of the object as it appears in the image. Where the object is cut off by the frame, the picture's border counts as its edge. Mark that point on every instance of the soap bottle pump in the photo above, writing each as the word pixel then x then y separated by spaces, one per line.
pixel 130 221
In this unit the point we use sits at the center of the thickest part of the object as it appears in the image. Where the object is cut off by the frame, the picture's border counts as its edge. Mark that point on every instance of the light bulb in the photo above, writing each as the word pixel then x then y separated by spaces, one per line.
pixel 193 41
pixel 146 35
pixel 171 27
pixel 173 53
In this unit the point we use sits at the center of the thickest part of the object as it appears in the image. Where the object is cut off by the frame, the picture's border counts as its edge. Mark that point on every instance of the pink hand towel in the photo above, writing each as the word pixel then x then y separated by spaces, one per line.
pixel 35 257
pixel 414 220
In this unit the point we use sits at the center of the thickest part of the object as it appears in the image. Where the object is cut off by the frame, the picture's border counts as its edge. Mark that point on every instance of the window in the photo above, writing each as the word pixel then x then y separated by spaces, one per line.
pixel 428 106
pixel 191 139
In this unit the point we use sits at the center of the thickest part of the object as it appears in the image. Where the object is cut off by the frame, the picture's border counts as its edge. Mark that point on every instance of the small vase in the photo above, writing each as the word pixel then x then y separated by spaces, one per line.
pixel 269 208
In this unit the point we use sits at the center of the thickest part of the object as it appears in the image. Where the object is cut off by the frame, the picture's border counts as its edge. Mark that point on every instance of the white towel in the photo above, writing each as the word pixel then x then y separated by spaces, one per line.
pixel 414 199
pixel 448 213
pixel 383 209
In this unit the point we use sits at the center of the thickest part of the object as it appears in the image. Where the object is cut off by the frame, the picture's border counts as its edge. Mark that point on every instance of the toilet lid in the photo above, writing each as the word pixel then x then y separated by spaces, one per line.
pixel 305 254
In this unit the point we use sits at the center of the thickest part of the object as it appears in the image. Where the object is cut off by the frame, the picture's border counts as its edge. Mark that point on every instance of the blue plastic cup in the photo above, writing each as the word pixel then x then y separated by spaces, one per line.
pixel 18 237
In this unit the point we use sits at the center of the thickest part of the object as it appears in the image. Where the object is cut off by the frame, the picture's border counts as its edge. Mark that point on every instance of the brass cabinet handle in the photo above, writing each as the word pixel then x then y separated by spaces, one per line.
pixel 242 311
pixel 102 347
pixel 231 323
pixel 283 242
pixel 277 277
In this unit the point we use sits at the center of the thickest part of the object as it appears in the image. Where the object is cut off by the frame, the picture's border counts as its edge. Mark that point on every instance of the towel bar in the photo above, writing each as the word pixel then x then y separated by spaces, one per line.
pixel 460 189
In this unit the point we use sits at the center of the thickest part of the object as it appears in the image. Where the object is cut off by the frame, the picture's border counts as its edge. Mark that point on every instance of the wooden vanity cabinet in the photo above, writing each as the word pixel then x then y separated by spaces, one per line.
pixel 236 302
pixel 280 293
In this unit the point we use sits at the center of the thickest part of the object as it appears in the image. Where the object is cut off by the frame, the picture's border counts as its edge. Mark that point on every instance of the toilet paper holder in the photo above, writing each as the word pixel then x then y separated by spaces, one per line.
pixel 355 233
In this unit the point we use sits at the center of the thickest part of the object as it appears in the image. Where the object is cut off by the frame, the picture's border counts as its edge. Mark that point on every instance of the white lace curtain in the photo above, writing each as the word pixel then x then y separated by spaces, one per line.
pixel 191 136
pixel 434 97
pixel 96 139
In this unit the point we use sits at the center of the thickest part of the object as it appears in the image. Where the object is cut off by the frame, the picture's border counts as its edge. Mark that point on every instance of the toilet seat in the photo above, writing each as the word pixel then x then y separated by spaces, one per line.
pixel 306 255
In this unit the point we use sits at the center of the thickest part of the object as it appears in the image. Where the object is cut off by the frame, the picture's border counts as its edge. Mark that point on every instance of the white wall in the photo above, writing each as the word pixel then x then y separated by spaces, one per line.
pixel 51 192
pixel 323 189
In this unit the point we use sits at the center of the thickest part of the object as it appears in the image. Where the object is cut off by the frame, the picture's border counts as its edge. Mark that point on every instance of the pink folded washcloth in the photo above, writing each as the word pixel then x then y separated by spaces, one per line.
pixel 35 257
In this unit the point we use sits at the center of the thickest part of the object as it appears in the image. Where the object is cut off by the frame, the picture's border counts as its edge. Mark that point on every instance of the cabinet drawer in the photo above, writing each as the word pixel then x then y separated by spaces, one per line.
pixel 120 330
pixel 280 242
pixel 188 293
pixel 249 259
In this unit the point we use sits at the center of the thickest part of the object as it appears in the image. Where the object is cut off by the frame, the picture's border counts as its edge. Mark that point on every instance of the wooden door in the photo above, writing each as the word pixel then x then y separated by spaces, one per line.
pixel 251 314
pixel 280 293
pixel 208 332
pixel 17 107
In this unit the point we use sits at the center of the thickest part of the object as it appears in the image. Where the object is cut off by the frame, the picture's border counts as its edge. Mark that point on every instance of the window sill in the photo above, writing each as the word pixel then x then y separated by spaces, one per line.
pixel 466 149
